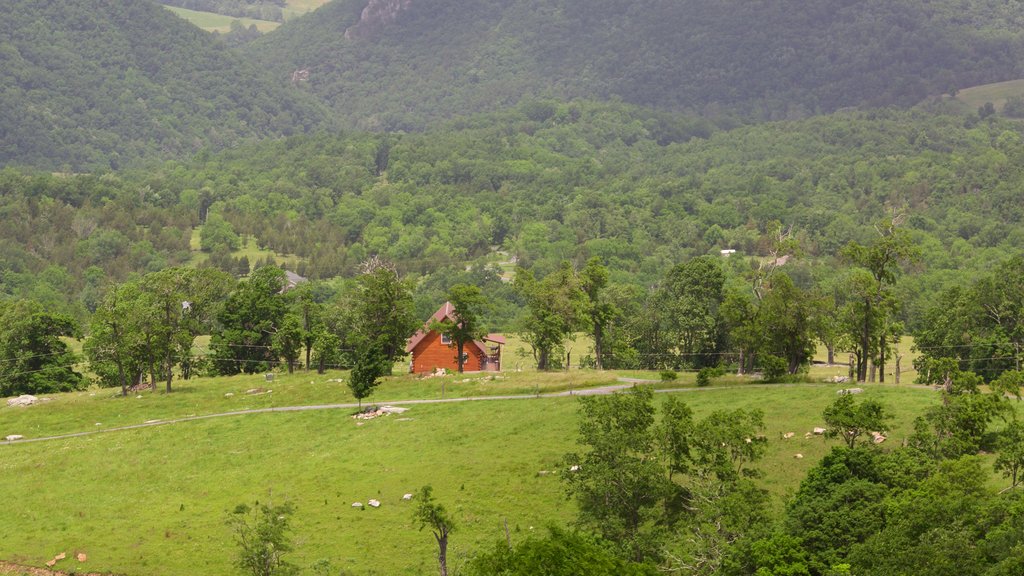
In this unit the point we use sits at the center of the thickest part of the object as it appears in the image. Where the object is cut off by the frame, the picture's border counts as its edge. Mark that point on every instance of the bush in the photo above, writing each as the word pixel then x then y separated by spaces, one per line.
pixel 704 377
pixel 669 376
pixel 773 368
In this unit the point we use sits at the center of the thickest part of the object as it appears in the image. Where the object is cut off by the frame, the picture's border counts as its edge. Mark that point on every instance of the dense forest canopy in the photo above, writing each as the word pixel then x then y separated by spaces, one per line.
pixel 538 184
pixel 98 85
pixel 768 60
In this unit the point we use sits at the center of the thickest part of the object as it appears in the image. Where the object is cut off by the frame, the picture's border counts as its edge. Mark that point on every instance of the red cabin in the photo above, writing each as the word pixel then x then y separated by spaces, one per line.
pixel 430 350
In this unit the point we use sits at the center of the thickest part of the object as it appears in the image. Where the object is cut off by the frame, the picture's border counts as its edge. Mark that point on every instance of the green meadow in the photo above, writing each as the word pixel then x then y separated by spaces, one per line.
pixel 153 501
pixel 219 23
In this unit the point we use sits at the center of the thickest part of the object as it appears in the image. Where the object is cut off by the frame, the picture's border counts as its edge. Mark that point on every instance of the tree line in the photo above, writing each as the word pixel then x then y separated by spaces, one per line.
pixel 710 313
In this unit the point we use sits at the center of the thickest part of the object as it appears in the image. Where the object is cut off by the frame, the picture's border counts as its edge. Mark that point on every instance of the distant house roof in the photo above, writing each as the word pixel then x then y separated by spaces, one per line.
pixel 447 312
pixel 292 280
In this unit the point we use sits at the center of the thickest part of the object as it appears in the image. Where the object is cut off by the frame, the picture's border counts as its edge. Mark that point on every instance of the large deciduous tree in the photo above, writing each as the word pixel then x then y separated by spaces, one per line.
pixel 873 306
pixel 248 321
pixel 383 312
pixel 556 307
pixel 600 309
pixel 33 358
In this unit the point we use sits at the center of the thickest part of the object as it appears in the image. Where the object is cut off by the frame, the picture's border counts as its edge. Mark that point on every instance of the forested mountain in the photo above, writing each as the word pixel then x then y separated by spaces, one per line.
pixel 397 64
pixel 544 182
pixel 98 84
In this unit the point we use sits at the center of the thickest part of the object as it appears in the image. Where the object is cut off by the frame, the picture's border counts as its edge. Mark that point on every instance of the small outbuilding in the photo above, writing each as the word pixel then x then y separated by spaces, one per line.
pixel 432 350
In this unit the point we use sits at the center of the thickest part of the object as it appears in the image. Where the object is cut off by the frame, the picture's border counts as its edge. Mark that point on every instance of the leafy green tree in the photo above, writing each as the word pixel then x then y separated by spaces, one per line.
pixel 218 233
pixel 287 340
pixel 366 372
pixel 690 296
pixel 432 515
pixel 601 311
pixel 959 425
pixel 841 502
pixel 556 307
pixel 560 553
pixel 788 314
pixel 1010 458
pixel 184 302
pixel 116 347
pixel 247 322
pixel 874 307
pixel 848 419
pixel 383 311
pixel 619 482
pixel 468 307
pixel 262 536
pixel 33 358
pixel 935 526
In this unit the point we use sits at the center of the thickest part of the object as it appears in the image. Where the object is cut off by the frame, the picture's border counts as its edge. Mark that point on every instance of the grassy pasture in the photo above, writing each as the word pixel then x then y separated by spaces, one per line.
pixel 219 23
pixel 998 93
pixel 250 249
pixel 153 501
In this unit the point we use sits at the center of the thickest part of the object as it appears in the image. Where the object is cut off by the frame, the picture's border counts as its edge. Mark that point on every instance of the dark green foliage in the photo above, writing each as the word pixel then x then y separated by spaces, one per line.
pixel 849 419
pixel 839 504
pixel 772 60
pixel 935 527
pixel 382 314
pixel 247 323
pixel 556 306
pixel 669 375
pixel 980 326
pixel 100 85
pixel 560 553
pixel 773 368
pixel 33 358
pixel 617 484
pixel 678 490
pixel 370 364
pixel 262 535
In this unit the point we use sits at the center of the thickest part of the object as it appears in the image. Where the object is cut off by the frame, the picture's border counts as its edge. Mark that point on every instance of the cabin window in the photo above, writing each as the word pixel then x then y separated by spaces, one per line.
pixel 446 339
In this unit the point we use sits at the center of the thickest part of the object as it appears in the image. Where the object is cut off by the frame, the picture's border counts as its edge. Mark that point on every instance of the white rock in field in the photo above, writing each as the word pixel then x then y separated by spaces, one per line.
pixel 819 431
pixel 375 503
pixel 574 468
pixel 798 456
pixel 393 410
pixel 357 504
pixel 788 435
pixel 407 497
pixel 846 391
pixel 23 400
pixel 14 437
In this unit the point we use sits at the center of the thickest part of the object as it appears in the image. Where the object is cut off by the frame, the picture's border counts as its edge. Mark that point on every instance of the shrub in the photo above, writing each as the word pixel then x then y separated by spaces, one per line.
pixel 669 375
pixel 704 377
pixel 773 368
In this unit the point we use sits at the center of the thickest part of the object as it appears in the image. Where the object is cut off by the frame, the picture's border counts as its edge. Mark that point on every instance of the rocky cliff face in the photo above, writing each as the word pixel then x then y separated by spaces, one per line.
pixel 376 15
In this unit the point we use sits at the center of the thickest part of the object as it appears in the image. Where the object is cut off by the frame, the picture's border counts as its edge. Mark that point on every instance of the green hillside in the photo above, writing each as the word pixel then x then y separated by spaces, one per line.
pixel 93 85
pixel 543 182
pixel 400 69
pixel 483 458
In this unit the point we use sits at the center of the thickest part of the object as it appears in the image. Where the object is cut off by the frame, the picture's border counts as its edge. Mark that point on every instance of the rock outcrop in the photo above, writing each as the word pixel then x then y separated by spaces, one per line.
pixel 376 15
